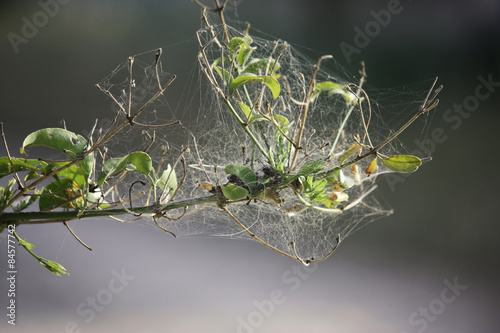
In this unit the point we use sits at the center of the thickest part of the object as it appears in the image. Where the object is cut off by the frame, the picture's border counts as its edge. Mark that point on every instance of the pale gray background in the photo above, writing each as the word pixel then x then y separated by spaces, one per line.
pixel 445 224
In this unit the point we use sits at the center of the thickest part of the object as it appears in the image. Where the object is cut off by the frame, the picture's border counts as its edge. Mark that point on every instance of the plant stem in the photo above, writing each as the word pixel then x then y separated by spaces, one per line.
pixel 245 127
pixel 340 129
pixel 61 216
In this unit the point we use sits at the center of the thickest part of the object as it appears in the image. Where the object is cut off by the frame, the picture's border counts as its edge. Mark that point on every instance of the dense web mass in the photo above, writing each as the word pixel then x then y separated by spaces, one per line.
pixel 284 139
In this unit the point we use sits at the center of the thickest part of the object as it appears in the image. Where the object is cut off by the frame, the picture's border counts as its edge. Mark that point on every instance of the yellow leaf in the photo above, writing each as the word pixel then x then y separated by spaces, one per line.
pixel 206 185
pixel 272 196
pixel 371 167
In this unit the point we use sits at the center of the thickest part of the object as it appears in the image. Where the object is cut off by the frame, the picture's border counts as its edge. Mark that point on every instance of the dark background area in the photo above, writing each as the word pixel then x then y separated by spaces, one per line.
pixel 445 225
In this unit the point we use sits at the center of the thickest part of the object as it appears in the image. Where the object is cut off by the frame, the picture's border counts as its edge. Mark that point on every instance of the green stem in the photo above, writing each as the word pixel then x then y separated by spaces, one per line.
pixel 334 211
pixel 245 127
pixel 51 217
pixel 20 242
pixel 341 128
pixel 52 266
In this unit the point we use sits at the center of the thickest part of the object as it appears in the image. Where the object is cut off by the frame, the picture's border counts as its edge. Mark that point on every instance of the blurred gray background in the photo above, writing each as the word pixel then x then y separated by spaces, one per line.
pixel 390 276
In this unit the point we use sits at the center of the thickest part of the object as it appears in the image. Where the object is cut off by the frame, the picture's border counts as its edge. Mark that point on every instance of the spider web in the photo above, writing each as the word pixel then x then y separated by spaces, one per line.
pixel 220 141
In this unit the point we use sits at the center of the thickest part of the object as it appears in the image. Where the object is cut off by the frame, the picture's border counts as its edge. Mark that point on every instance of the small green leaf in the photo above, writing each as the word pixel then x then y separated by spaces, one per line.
pixel 282 122
pixel 258 66
pixel 351 151
pixel 244 54
pixel 74 173
pixel 312 167
pixel 24 203
pixel 246 174
pixel 53 267
pixel 246 110
pixel 238 42
pixel 25 244
pixel 134 162
pixel 227 78
pixel 319 185
pixel 6 194
pixel 402 163
pixel 332 89
pixel 106 168
pixel 20 164
pixel 31 175
pixel 269 81
pixel 57 192
pixel 234 192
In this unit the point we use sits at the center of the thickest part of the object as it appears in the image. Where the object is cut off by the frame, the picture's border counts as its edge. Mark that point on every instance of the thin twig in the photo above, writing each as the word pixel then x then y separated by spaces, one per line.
pixel 330 253
pixel 76 237
pixel 162 228
pixel 254 236
pixel 157 61
pixel 428 104
pixel 16 176
pixel 130 64
pixel 302 118
pixel 340 130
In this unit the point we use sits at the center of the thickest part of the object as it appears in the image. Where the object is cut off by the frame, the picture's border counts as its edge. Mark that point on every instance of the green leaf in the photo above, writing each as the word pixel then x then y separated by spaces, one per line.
pixel 282 122
pixel 234 192
pixel 312 167
pixel 134 162
pixel 332 89
pixel 65 141
pixel 246 110
pixel 238 42
pixel 402 163
pixel 20 164
pixel 6 194
pixel 227 76
pixel 269 81
pixel 57 192
pixel 31 175
pixel 258 66
pixel 246 174
pixel 57 138
pixel 25 244
pixel 244 54
pixel 53 267
pixel 351 151
pixel 74 173
pixel 106 168
pixel 319 185
pixel 24 203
